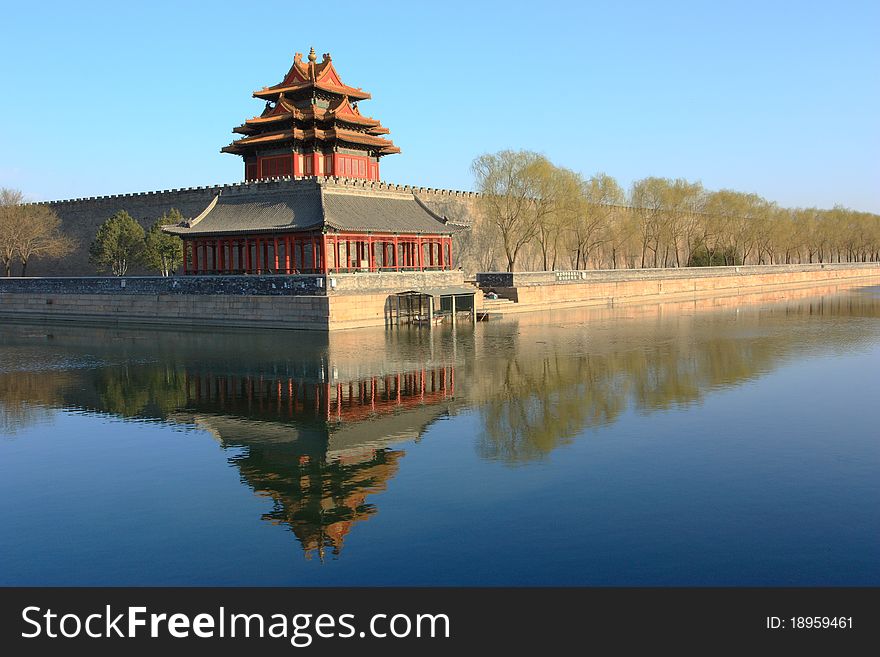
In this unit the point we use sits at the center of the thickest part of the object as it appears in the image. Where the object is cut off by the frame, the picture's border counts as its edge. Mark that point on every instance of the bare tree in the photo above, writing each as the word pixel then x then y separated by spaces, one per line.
pixel 10 203
pixel 29 230
pixel 40 235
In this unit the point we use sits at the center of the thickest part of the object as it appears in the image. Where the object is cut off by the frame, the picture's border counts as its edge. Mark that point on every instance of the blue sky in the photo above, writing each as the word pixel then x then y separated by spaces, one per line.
pixel 778 98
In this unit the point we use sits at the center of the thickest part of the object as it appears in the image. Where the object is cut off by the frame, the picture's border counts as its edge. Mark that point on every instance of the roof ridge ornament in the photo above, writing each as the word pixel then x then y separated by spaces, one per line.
pixel 312 56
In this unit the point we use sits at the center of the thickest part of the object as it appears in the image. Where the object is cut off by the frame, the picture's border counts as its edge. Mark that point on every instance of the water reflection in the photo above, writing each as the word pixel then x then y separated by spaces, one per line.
pixel 320 424
pixel 317 448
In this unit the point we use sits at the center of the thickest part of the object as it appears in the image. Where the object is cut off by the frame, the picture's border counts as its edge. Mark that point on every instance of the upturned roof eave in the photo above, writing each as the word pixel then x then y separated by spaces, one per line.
pixel 268 93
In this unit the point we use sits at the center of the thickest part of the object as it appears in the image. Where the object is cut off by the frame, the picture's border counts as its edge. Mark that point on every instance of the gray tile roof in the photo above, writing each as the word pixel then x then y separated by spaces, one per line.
pixel 313 206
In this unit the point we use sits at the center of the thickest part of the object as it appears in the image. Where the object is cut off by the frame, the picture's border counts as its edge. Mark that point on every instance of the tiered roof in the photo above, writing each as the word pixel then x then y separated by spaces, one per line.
pixel 292 113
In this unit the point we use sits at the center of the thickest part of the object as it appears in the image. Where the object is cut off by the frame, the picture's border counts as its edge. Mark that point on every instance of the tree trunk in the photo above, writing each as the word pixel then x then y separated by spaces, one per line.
pixel 23 267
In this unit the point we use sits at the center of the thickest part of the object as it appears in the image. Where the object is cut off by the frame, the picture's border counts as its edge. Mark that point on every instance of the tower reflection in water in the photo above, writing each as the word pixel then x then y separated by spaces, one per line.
pixel 318 449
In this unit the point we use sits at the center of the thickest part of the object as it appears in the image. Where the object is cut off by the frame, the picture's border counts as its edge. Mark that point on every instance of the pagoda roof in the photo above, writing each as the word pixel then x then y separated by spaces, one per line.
pixel 313 134
pixel 316 205
pixel 286 119
pixel 311 75
pixel 283 110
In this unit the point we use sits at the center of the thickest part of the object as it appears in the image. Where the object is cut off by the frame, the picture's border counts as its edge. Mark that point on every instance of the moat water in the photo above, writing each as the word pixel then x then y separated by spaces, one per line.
pixel 716 443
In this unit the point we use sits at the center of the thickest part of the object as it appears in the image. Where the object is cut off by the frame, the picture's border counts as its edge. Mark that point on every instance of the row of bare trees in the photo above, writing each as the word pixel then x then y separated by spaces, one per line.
pixel 28 231
pixel 535 215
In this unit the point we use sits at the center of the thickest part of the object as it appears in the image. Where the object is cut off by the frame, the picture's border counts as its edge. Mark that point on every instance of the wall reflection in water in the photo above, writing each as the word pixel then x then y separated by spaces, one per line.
pixel 319 424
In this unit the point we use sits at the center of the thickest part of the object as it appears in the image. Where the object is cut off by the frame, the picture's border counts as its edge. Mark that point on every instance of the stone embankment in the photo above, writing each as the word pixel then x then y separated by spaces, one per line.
pixel 341 301
pixel 534 291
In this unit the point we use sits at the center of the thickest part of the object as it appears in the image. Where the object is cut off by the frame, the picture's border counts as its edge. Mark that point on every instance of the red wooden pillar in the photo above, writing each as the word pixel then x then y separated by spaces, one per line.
pixel 450 251
pixel 295 263
pixel 396 253
pixel 221 249
pixel 185 256
pixel 314 253
pixel 247 255
pixel 370 254
pixel 325 244
pixel 420 255
pixel 287 254
pixel 276 254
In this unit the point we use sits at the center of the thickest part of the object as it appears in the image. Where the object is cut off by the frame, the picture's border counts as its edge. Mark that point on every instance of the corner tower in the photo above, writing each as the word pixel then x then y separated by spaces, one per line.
pixel 311 126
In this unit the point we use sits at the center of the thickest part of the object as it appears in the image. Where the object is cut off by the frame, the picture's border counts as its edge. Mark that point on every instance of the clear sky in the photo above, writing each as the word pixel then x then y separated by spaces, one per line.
pixel 778 98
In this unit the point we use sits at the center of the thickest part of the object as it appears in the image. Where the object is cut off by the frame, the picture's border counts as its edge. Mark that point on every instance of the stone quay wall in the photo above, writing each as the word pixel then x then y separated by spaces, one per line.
pixel 322 303
pixel 227 311
pixel 81 217
pixel 343 301
pixel 552 290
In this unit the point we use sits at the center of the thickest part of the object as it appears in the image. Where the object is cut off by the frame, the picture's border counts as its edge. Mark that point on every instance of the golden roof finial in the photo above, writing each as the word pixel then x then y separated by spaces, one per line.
pixel 312 56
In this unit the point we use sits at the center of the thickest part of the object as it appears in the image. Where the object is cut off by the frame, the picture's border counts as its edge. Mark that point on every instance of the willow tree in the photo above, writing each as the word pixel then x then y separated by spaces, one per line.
pixel 512 196
pixel 556 189
pixel 600 198
pixel 647 198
